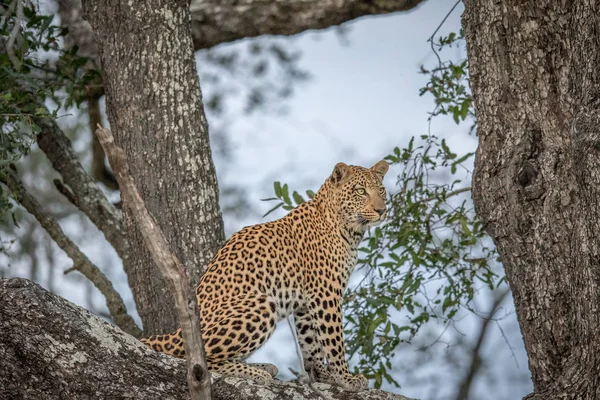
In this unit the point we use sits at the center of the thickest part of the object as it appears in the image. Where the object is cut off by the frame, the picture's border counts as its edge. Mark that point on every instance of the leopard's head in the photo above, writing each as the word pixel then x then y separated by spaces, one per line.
pixel 358 194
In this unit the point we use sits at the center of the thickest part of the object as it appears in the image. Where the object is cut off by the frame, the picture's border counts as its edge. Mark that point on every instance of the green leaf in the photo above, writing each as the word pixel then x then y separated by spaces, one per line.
pixel 277 189
pixel 297 198
pixel 285 195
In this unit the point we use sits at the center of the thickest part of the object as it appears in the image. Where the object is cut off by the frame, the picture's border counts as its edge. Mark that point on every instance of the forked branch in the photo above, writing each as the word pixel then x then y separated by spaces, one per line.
pixel 170 266
pixel 86 195
pixel 81 263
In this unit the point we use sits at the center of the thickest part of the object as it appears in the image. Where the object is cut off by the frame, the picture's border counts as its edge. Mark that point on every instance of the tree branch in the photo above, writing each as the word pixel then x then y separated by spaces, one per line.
pixel 80 34
pixel 475 362
pixel 81 263
pixel 170 266
pixel 99 170
pixel 88 197
pixel 219 21
pixel 51 348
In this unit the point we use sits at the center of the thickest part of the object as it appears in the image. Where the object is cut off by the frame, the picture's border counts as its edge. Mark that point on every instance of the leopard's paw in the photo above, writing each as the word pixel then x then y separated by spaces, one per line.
pixel 352 383
pixel 270 368
pixel 319 373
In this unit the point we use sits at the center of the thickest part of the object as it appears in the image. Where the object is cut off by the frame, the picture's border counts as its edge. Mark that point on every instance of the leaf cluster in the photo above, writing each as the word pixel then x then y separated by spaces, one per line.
pixel 33 69
pixel 449 82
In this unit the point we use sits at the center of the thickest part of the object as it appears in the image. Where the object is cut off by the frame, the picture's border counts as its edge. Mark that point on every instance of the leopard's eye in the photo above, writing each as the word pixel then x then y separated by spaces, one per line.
pixel 360 190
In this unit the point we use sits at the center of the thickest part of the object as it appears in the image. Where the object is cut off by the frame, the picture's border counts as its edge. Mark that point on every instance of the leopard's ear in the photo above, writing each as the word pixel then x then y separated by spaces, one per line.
pixel 340 171
pixel 381 168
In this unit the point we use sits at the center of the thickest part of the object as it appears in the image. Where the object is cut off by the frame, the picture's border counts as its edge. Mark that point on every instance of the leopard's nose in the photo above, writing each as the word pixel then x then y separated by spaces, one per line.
pixel 380 211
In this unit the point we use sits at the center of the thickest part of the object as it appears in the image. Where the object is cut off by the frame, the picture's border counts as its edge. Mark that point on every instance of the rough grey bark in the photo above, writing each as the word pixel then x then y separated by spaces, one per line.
pixel 83 191
pixel 81 263
pixel 535 79
pixel 155 111
pixel 215 21
pixel 218 21
pixel 169 266
pixel 53 349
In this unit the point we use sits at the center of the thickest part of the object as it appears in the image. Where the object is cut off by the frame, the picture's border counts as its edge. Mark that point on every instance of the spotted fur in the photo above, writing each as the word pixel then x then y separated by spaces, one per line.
pixel 299 264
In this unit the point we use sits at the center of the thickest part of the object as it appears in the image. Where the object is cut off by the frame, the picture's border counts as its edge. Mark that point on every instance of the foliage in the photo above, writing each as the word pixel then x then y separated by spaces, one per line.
pixel 424 261
pixel 432 254
pixel 449 81
pixel 33 68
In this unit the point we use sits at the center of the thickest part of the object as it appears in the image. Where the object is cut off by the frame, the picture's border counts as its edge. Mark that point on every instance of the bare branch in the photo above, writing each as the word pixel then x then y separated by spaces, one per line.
pixel 475 362
pixel 219 21
pixel 170 266
pixel 99 170
pixel 81 263
pixel 80 34
pixel 13 35
pixel 86 194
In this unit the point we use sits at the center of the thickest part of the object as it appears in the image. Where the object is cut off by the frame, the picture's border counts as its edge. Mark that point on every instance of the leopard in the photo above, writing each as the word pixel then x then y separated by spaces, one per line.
pixel 297 265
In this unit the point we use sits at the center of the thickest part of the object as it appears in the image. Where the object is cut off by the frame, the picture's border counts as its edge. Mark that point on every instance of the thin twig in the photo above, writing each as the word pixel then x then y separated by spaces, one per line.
pixel 13 36
pixel 81 263
pixel 440 63
pixel 303 376
pixel 443 21
pixel 427 221
pixel 173 271
pixel 298 351
pixel 448 194
pixel 475 362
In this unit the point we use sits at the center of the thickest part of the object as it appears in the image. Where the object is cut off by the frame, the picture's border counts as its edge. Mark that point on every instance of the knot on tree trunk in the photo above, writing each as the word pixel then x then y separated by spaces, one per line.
pixel 528 178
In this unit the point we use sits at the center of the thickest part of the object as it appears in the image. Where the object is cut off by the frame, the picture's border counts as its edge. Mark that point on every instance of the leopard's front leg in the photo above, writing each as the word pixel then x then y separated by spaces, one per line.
pixel 327 314
pixel 310 346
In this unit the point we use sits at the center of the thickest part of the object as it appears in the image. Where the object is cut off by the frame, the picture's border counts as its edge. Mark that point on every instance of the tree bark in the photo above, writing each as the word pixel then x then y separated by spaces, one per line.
pixel 535 79
pixel 170 267
pixel 53 349
pixel 81 263
pixel 219 21
pixel 216 21
pixel 155 110
pixel 86 195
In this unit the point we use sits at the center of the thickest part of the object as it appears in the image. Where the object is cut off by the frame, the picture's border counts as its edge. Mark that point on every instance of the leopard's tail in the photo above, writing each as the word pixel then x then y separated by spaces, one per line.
pixel 171 344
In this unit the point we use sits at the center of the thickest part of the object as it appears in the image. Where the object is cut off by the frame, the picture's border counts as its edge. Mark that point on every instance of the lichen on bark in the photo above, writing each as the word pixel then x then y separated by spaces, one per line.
pixel 53 349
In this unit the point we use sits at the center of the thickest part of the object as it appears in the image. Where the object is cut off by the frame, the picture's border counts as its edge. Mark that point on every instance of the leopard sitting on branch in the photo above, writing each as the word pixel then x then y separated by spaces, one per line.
pixel 298 264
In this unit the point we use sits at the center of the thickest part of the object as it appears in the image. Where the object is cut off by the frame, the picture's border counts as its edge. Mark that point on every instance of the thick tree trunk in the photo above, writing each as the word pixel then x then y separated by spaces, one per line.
pixel 155 110
pixel 53 349
pixel 535 79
